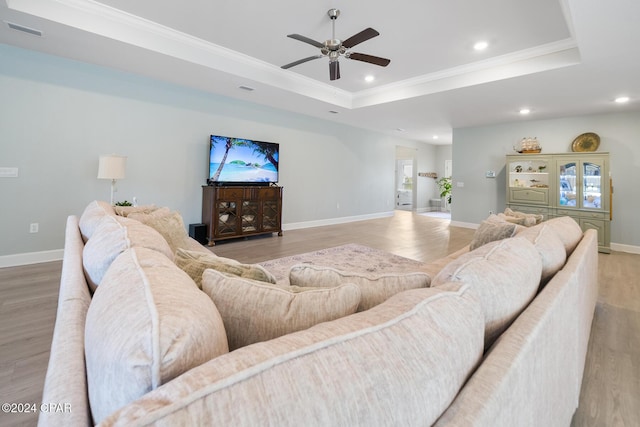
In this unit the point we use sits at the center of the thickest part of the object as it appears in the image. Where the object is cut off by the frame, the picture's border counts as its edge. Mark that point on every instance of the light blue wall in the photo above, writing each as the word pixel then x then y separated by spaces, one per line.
pixel 57 116
pixel 479 149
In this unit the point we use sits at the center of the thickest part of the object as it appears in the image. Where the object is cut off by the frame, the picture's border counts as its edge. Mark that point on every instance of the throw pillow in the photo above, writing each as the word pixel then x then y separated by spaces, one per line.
pixel 528 219
pixel 128 210
pixel 490 230
pixel 147 324
pixel 374 289
pixel 195 263
pixel 90 218
pixel 168 224
pixel 113 236
pixel 254 311
pixel 503 276
pixel 512 219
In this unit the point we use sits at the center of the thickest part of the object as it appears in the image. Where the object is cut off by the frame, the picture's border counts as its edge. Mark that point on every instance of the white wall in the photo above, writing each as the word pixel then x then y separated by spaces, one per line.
pixel 57 116
pixel 479 149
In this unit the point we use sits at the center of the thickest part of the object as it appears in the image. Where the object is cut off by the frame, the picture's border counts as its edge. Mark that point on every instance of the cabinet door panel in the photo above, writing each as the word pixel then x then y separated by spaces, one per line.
pixel 530 195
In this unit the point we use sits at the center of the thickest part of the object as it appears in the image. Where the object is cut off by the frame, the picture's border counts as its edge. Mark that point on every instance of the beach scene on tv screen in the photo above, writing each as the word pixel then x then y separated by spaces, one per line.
pixel 242 160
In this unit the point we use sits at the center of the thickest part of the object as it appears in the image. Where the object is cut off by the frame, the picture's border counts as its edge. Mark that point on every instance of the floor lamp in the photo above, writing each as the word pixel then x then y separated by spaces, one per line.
pixel 111 167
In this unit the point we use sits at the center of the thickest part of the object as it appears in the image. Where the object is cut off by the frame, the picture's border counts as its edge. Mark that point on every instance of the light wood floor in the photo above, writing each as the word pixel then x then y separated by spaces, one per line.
pixel 611 387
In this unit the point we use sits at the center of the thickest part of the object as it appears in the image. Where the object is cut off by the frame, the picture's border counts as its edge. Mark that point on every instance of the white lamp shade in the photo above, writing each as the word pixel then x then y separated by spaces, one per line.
pixel 111 167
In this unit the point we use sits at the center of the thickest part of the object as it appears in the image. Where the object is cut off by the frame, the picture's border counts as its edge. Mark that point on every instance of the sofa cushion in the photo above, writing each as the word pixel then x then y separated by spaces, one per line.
pixel 113 236
pixel 169 224
pixel 551 249
pixel 567 230
pixel 375 289
pixel 490 230
pixel 194 263
pixel 401 363
pixel 90 218
pixel 147 323
pixel 503 275
pixel 254 311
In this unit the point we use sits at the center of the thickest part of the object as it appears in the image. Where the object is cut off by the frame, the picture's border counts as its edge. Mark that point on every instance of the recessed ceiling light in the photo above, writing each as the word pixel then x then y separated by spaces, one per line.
pixel 524 111
pixel 369 78
pixel 481 45
pixel 622 99
pixel 435 136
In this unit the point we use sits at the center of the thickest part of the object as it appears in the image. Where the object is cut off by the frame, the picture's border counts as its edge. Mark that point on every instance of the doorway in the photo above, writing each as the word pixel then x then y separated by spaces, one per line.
pixel 404 184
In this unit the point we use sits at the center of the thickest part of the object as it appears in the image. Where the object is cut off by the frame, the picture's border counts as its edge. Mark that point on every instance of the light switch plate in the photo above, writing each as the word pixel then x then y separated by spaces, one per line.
pixel 490 174
pixel 8 172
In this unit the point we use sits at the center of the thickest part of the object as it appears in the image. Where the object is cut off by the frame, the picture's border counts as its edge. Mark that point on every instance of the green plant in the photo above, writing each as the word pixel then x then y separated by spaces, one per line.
pixel 444 184
pixel 125 203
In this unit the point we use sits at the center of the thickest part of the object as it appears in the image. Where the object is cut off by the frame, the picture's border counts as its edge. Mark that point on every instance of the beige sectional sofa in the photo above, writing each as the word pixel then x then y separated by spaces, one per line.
pixel 494 335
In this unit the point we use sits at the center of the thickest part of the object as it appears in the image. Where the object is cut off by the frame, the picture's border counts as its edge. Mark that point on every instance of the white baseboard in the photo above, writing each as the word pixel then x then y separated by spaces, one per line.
pixel 334 221
pixel 464 224
pixel 30 258
pixel 625 248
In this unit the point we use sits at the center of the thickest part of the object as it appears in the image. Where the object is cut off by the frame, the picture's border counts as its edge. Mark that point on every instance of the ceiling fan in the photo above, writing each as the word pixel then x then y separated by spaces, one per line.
pixel 334 48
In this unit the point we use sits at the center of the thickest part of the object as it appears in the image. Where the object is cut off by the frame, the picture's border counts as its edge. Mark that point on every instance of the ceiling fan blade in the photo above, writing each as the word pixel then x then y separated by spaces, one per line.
pixel 306 40
pixel 334 70
pixel 362 36
pixel 376 60
pixel 301 61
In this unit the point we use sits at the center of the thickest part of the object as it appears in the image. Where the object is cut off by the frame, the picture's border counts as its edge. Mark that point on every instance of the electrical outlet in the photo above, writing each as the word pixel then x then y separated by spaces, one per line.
pixel 34 227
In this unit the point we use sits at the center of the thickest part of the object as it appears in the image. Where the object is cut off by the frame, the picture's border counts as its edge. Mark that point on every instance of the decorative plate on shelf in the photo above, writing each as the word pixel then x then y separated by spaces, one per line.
pixel 586 142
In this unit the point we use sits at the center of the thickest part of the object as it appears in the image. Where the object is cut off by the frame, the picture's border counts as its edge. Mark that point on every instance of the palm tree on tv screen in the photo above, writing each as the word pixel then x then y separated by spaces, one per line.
pixel 268 151
pixel 229 144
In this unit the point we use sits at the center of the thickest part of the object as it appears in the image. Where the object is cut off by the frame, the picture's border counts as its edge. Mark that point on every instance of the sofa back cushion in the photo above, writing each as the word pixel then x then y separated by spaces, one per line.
pixel 90 218
pixel 567 230
pixel 113 236
pixel 550 247
pixel 147 323
pixel 400 363
pixel 254 311
pixel 375 289
pixel 504 277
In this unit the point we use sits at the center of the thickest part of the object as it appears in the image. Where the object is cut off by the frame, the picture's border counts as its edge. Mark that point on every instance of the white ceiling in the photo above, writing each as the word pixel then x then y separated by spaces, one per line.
pixel 556 57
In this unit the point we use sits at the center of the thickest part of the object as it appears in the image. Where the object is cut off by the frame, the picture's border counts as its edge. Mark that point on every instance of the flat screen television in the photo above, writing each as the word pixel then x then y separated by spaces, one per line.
pixel 242 161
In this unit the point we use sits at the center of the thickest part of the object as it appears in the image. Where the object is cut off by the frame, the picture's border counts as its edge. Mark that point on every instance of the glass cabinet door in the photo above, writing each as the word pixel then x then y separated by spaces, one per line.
pixel 567 193
pixel 580 183
pixel 591 185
